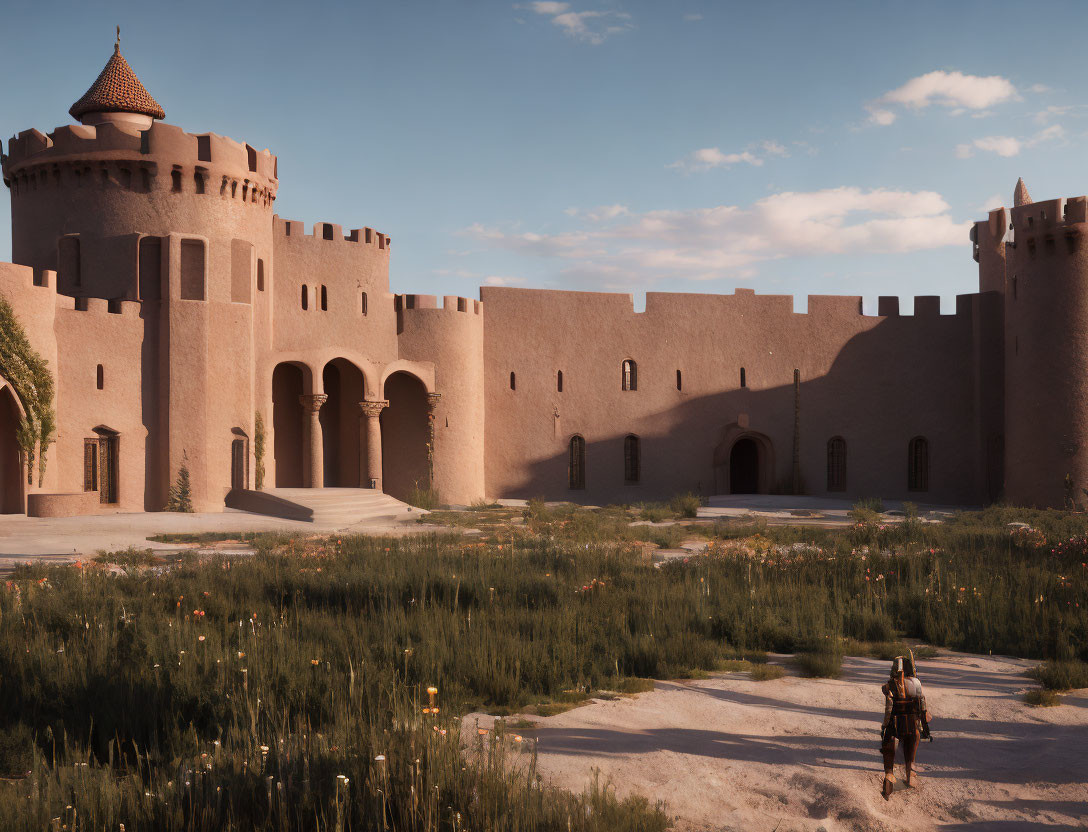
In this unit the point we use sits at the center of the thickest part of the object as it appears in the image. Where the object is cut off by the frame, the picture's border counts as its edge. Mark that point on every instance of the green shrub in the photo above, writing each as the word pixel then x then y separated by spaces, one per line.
pixel 875 504
pixel 686 505
pixel 655 512
pixel 423 496
pixel 1061 675
pixel 130 557
pixel 821 658
pixel 767 672
pixel 1042 698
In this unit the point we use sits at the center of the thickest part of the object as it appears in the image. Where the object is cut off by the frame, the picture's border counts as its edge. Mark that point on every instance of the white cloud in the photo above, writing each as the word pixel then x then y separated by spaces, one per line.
pixel 711 242
pixel 588 26
pixel 1053 111
pixel 496 280
pixel 954 90
pixel 1007 146
pixel 992 203
pixel 708 158
pixel 1039 88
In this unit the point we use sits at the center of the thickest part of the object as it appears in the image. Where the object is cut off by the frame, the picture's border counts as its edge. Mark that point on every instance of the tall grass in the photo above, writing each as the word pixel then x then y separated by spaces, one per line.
pixel 260 693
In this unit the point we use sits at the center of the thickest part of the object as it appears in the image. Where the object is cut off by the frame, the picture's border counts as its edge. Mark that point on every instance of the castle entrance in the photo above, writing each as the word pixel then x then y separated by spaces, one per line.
pixel 341 434
pixel 405 431
pixel 11 463
pixel 287 389
pixel 744 467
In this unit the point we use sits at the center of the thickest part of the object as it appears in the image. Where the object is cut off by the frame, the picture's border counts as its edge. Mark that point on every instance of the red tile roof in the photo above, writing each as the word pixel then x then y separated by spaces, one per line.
pixel 117 90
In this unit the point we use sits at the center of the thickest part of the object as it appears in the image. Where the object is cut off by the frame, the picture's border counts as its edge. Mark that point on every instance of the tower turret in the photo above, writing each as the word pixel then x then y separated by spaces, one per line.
pixel 117 95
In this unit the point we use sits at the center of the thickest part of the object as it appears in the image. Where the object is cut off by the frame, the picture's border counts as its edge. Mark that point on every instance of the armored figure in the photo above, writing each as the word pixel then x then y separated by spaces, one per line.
pixel 906 719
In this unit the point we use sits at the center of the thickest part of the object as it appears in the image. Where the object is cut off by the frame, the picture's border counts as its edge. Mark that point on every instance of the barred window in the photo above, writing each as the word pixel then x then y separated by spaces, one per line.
pixel 836 464
pixel 918 464
pixel 632 459
pixel 576 469
pixel 630 375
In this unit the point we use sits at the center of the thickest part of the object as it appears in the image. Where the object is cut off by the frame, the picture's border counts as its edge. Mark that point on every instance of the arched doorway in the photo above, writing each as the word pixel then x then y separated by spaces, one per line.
pixel 404 436
pixel 287 385
pixel 744 467
pixel 340 434
pixel 11 460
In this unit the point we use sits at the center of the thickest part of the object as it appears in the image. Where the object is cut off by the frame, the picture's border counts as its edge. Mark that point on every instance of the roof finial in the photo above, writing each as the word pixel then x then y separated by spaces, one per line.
pixel 117 45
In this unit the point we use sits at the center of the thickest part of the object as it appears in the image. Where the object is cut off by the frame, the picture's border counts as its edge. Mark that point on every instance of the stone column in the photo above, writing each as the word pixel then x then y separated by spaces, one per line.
pixel 370 435
pixel 312 404
pixel 432 405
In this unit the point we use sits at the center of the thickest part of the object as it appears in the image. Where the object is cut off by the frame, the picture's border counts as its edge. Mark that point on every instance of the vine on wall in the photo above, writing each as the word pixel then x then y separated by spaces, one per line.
pixel 258 448
pixel 29 374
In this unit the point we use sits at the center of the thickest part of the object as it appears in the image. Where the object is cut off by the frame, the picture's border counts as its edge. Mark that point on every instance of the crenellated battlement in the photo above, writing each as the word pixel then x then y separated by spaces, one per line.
pixel 330 232
pixel 101 306
pixel 450 303
pixel 1051 227
pixel 161 158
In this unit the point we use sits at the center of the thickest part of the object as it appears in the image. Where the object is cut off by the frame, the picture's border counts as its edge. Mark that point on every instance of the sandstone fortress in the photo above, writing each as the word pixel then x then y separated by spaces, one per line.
pixel 174 307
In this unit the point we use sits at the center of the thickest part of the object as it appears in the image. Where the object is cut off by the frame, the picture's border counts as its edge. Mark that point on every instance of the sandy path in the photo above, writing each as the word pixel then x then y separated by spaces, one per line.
pixel 802 754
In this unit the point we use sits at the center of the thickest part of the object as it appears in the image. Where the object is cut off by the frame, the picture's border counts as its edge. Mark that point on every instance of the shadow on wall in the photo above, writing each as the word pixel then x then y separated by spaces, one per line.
pixel 854 427
pixel 404 436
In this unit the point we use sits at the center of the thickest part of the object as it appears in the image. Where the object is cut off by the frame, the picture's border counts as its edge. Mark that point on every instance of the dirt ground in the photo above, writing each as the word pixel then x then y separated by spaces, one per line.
pixel 728 753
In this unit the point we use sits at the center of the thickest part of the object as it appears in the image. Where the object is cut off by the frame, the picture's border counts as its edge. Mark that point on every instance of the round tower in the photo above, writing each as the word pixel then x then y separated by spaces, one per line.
pixel 1046 352
pixel 124 206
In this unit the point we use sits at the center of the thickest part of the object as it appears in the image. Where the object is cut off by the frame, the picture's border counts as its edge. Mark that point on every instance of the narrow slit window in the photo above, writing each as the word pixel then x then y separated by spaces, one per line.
pixel 632 459
pixel 305 297
pixel 324 299
pixel 836 464
pixel 743 378
pixel 918 464
pixel 559 381
pixel 175 181
pixel 100 377
pixel 198 182
pixel 679 380
pixel 363 303
pixel 576 467
pixel 260 275
pixel 629 380
pixel 513 381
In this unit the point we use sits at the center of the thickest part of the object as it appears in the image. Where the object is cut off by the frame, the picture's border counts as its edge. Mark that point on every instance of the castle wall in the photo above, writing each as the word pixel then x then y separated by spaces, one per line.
pixel 876 381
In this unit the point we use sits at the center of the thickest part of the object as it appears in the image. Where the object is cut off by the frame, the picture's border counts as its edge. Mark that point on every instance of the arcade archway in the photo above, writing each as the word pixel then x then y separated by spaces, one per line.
pixel 342 443
pixel 405 433
pixel 288 382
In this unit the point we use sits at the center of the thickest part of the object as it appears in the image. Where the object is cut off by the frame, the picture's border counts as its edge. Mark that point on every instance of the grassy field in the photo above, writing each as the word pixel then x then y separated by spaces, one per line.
pixel 289 690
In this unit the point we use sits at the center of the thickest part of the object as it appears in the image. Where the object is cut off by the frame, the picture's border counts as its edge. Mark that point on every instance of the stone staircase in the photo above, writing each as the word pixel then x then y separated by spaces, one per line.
pixel 327 508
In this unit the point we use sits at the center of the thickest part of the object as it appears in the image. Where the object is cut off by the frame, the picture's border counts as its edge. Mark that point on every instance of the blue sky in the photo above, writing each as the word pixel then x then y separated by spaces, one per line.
pixel 791 147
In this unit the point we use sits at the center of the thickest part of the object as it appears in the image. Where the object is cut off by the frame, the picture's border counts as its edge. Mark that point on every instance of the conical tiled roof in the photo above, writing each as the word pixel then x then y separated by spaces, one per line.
pixel 1020 196
pixel 117 90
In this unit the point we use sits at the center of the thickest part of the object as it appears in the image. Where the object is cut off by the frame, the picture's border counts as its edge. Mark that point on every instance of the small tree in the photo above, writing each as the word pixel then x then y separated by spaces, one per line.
pixel 181 492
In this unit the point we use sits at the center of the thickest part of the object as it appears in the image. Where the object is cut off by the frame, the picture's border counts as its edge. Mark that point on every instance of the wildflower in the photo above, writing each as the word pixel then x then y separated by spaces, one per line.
pixel 426 710
pixel 517 737
pixel 264 749
pixel 315 662
pixel 241 655
pixel 380 758
pixel 432 690
pixel 200 638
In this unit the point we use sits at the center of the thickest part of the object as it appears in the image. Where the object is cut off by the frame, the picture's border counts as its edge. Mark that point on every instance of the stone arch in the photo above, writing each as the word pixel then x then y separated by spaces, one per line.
pixel 405 435
pixel 743 460
pixel 12 468
pixel 290 380
pixel 343 442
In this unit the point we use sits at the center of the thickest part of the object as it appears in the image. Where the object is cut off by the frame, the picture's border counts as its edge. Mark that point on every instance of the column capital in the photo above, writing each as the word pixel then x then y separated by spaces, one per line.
pixel 432 401
pixel 373 408
pixel 313 401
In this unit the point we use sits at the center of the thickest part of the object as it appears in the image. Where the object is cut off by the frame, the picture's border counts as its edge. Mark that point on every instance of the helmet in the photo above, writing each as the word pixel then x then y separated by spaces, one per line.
pixel 904 665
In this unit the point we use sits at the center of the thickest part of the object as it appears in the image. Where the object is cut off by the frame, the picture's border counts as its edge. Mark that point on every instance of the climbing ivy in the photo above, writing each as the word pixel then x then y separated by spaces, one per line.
pixel 29 374
pixel 258 448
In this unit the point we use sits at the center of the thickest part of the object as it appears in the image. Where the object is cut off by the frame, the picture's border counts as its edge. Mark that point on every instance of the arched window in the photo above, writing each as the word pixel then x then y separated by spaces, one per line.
pixel 743 380
pixel 576 469
pixel 305 298
pixel 679 381
pixel 630 375
pixel 363 303
pixel 513 381
pixel 559 382
pixel 918 464
pixel 836 464
pixel 324 299
pixel 632 459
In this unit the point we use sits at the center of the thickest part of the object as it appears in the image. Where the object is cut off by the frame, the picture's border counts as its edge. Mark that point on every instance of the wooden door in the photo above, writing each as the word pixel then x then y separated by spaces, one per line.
pixel 238 463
